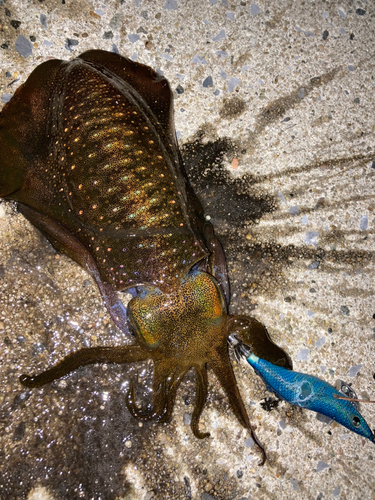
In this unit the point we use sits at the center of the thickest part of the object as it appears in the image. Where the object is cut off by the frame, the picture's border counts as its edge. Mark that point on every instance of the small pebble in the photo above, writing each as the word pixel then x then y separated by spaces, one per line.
pixel 354 370
pixel 311 238
pixel 345 310
pixel 320 342
pixel 208 82
pixel 6 97
pixel 220 36
pixel 187 418
pixel 323 418
pixel 232 84
pixel 43 21
pixel 23 46
pixel 321 466
pixel 282 425
pixel 15 24
pixel 281 196
pixel 294 484
pixel 364 223
pixel 128 444
pixel 254 9
pixel 336 490
pixel 303 354
pixel 38 348
pixel 234 164
pixel 171 5
pixel 198 60
pixel 133 37
pixel 70 42
pixel 19 432
pixel 294 210
pixel 249 443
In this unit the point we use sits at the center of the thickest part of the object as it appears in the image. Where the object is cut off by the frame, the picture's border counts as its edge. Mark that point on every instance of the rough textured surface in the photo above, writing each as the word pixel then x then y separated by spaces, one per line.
pixel 280 148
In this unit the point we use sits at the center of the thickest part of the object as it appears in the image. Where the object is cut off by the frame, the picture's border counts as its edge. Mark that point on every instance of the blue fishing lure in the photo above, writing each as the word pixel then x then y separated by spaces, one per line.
pixel 306 391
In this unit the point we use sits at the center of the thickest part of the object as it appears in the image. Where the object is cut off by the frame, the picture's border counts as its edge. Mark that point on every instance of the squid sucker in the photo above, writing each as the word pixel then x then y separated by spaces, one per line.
pixel 88 151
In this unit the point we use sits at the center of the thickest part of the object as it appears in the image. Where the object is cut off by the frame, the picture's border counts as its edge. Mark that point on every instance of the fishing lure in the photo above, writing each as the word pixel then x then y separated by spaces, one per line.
pixel 306 391
pixel 88 150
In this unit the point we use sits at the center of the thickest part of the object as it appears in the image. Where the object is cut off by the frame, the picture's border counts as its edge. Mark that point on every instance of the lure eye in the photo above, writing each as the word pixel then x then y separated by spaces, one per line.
pixel 356 421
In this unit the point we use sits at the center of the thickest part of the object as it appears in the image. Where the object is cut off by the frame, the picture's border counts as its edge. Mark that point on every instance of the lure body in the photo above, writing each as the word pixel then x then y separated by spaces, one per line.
pixel 312 393
pixel 89 152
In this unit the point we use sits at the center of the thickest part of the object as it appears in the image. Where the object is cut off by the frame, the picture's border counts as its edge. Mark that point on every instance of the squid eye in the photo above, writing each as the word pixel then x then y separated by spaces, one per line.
pixel 356 421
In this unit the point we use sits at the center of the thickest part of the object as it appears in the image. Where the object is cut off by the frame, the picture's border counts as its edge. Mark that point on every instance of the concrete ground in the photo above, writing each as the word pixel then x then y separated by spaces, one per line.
pixel 274 111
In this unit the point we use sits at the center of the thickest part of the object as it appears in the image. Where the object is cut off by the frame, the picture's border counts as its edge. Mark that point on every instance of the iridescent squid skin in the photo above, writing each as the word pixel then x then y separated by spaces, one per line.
pixel 88 150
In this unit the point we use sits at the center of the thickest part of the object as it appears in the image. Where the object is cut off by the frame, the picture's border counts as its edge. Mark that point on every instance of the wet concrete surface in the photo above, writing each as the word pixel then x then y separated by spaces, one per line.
pixel 274 111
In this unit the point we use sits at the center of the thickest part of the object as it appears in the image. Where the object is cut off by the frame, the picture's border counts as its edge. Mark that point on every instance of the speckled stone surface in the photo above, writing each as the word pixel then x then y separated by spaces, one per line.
pixel 274 110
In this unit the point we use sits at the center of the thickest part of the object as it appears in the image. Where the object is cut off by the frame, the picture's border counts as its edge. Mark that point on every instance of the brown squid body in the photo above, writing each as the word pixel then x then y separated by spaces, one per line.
pixel 88 150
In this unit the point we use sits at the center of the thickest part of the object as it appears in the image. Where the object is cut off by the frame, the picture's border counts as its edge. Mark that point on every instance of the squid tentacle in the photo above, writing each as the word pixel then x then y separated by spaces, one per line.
pixel 164 395
pixel 159 398
pixel 200 401
pixel 224 372
pixel 179 374
pixel 83 357
pixel 152 412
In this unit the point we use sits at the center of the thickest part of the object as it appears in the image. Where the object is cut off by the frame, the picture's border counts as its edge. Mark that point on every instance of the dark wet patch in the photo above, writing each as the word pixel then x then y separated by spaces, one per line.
pixel 19 432
pixel 232 107
pixel 159 474
pixel 256 265
pixel 227 200
pixel 269 404
pixel 74 440
pixel 20 399
pixel 277 108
